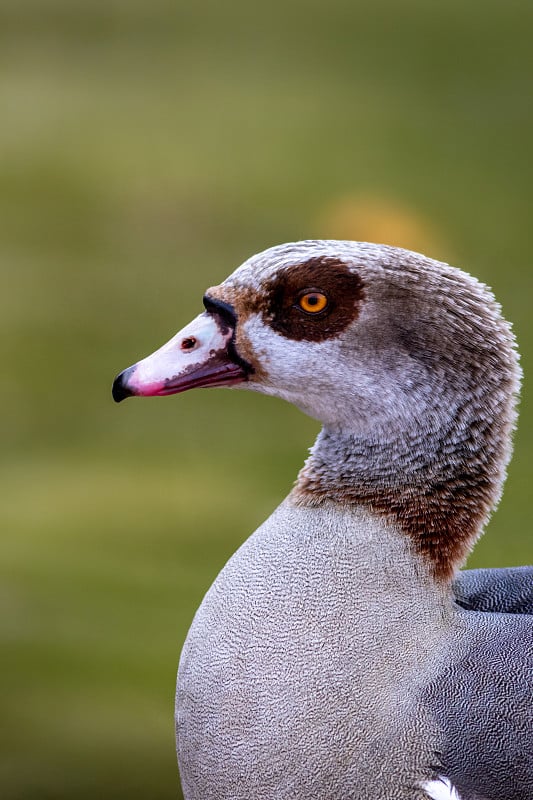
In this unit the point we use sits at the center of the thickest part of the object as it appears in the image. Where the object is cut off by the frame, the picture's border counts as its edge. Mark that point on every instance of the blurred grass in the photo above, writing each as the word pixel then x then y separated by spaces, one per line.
pixel 145 150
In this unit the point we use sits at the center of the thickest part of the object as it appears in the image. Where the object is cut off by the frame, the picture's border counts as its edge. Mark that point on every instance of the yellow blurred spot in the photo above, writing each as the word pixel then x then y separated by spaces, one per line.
pixel 372 219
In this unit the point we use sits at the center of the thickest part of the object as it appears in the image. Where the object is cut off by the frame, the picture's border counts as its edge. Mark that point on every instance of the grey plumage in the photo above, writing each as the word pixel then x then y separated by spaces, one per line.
pixel 297 681
pixel 340 654
pixel 504 590
pixel 482 698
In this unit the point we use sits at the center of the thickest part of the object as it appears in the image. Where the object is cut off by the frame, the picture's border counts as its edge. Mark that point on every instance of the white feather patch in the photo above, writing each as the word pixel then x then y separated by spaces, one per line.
pixel 441 789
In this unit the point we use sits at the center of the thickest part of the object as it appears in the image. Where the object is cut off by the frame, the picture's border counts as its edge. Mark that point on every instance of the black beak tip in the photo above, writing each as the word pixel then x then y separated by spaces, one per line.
pixel 120 388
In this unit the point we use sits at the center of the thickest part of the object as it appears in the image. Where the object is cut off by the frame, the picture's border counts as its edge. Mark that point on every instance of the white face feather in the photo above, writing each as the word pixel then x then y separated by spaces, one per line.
pixel 339 381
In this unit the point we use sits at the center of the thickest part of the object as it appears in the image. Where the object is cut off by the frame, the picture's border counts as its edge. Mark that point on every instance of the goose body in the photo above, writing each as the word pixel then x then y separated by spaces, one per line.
pixel 340 653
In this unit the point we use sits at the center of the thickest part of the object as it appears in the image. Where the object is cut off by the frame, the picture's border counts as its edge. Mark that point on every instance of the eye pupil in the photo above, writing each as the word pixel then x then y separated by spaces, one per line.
pixel 313 302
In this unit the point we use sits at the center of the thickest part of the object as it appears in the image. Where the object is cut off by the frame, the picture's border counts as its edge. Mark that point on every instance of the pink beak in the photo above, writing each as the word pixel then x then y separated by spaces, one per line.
pixel 201 354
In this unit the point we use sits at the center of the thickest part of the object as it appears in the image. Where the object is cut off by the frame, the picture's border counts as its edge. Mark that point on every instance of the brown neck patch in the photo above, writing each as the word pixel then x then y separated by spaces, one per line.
pixel 441 526
pixel 442 517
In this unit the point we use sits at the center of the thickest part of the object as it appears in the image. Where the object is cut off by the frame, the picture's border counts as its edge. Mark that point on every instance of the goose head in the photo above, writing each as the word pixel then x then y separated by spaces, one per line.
pixel 406 361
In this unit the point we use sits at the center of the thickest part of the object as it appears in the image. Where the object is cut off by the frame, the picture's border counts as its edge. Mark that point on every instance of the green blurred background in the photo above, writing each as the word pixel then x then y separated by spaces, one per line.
pixel 147 148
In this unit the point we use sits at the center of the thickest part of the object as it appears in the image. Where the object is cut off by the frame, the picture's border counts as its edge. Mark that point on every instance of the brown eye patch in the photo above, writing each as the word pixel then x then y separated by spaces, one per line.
pixel 296 291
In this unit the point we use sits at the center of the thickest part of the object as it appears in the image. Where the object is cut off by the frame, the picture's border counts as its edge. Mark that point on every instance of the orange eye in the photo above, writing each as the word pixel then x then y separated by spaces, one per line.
pixel 313 302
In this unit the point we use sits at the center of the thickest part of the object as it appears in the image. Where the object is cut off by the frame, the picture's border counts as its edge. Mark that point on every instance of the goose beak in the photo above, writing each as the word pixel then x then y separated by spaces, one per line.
pixel 201 354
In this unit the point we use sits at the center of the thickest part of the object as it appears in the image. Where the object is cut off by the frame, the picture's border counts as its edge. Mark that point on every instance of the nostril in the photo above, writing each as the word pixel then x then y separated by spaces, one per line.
pixel 189 343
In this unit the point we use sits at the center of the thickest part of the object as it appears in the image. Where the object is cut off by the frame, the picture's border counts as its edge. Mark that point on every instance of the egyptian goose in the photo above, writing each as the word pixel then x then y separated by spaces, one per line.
pixel 334 657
